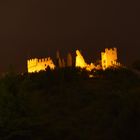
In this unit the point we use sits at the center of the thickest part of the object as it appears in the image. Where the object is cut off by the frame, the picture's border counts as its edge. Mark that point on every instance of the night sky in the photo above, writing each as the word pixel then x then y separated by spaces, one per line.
pixel 39 28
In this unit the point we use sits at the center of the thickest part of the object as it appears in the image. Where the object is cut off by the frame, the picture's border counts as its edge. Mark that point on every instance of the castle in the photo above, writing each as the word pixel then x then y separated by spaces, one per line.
pixel 80 62
pixel 109 58
pixel 36 65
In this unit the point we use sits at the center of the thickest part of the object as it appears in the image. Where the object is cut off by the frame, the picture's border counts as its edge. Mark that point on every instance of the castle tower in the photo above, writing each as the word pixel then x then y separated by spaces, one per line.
pixel 109 58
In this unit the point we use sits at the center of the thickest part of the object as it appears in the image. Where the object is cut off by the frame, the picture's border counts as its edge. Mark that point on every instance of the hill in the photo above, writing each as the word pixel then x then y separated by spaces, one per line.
pixel 67 104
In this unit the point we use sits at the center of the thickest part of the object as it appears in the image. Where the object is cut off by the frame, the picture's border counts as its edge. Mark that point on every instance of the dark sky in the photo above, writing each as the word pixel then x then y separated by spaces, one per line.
pixel 40 27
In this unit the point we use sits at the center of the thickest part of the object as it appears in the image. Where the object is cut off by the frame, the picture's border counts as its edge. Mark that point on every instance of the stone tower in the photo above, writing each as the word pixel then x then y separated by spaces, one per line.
pixel 109 58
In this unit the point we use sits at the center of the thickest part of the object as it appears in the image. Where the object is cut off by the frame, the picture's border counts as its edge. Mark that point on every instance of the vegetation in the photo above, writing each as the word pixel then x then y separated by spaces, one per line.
pixel 67 104
pixel 136 65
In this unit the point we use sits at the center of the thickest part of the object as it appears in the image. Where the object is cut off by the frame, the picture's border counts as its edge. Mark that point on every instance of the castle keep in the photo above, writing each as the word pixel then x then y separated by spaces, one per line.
pixel 109 58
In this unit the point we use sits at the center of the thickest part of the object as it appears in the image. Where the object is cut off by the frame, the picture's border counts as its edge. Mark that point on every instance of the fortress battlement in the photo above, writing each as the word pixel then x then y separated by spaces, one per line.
pixel 110 50
pixel 109 58
pixel 36 65
pixel 43 60
pixel 32 60
pixel 36 60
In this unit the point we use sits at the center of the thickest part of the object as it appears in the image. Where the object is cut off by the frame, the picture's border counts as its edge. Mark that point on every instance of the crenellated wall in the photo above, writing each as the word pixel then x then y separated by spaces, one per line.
pixel 109 58
pixel 36 65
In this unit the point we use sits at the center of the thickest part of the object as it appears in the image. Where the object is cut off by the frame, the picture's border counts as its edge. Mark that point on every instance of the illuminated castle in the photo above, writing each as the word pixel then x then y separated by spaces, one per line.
pixel 108 59
pixel 36 65
pixel 80 62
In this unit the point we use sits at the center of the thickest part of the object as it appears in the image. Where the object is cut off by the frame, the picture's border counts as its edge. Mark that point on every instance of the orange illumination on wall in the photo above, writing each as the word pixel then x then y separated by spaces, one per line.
pixel 80 62
pixel 36 65
pixel 109 58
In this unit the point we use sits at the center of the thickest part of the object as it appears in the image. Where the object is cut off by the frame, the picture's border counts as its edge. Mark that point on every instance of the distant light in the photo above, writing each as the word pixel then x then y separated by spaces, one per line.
pixel 91 76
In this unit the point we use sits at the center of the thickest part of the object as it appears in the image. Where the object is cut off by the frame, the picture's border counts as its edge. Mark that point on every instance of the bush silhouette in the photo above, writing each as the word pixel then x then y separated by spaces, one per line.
pixel 67 104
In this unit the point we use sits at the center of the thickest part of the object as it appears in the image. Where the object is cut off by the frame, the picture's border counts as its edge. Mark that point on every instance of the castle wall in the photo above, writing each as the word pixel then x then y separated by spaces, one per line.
pixel 36 65
pixel 31 64
pixel 80 62
pixel 109 58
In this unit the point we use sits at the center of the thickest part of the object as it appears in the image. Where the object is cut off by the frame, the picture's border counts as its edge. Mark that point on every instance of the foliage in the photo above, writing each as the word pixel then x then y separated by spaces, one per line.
pixel 136 65
pixel 67 104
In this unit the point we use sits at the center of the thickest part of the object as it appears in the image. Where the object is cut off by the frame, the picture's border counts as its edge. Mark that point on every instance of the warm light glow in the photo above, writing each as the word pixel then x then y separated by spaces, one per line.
pixel 109 58
pixel 91 76
pixel 36 65
pixel 80 62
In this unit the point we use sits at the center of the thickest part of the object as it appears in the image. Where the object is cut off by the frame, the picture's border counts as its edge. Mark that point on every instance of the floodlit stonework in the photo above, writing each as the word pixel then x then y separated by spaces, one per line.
pixel 36 65
pixel 109 58
pixel 80 62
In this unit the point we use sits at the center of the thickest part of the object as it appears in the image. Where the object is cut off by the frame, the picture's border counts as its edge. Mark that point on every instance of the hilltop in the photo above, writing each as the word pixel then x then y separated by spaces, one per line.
pixel 67 104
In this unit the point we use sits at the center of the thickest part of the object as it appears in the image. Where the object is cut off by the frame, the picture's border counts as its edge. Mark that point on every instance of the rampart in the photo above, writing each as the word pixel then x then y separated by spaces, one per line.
pixel 36 65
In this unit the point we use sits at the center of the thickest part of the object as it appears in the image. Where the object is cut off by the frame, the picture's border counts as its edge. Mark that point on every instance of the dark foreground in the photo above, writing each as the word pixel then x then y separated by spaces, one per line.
pixel 67 105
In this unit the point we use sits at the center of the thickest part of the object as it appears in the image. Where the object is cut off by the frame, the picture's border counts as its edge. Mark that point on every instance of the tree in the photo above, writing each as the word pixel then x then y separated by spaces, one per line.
pixel 136 65
pixel 69 60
